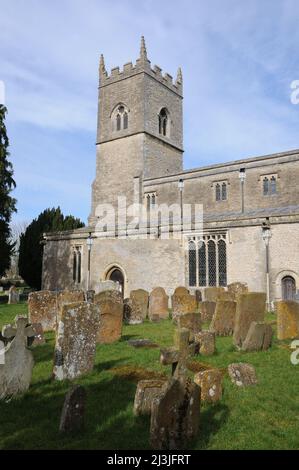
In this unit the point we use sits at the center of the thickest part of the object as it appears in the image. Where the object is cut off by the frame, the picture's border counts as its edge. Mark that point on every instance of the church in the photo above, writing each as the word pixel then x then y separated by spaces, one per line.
pixel 152 223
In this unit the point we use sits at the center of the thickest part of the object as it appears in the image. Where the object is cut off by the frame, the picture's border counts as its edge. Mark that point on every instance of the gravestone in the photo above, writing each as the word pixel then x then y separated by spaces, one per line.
pixel 250 307
pixel 227 295
pixel 242 374
pixel 111 320
pixel 42 308
pixel 127 309
pixel 139 306
pixel 287 319
pixel 73 411
pixel 182 304
pixel 68 297
pixel 107 285
pixel 175 415
pixel 191 321
pixel 211 294
pixel 206 342
pixel 207 310
pixel 259 337
pixel 16 360
pixel 158 304
pixel 113 295
pixel 181 290
pixel 210 382
pixel 13 295
pixel 38 335
pixel 170 356
pixel 223 320
pixel 181 341
pixel 237 288
pixel 75 345
pixel 146 392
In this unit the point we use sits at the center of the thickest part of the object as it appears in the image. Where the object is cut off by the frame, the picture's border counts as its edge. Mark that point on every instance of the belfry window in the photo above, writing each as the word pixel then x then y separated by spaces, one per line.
pixel 207 260
pixel 265 186
pixel 120 118
pixel 77 265
pixel 221 191
pixel 163 122
pixel 273 185
pixel 269 185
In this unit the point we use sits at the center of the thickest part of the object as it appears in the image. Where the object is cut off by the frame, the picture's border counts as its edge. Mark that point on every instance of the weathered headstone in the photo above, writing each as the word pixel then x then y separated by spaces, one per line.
pixel 210 382
pixel 38 335
pixel 175 415
pixel 107 285
pixel 127 309
pixel 158 304
pixel 287 319
pixel 259 337
pixel 68 297
pixel 182 304
pixel 113 295
pixel 206 341
pixel 13 295
pixel 181 340
pixel 76 340
pixel 207 310
pixel 227 295
pixel 181 290
pixel 42 308
pixel 250 307
pixel 237 288
pixel 139 306
pixel 16 360
pixel 73 411
pixel 223 320
pixel 170 356
pixel 212 294
pixel 111 321
pixel 242 374
pixel 146 392
pixel 191 321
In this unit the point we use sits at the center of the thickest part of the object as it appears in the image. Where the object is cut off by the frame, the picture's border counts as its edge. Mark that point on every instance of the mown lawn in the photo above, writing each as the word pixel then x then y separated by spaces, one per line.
pixel 265 416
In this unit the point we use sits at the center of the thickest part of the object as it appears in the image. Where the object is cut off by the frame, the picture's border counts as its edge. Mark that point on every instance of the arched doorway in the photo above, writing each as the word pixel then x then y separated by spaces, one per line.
pixel 116 275
pixel 288 288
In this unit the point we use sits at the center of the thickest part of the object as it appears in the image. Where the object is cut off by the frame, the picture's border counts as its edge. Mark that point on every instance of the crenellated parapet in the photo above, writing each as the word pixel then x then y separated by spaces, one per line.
pixel 142 65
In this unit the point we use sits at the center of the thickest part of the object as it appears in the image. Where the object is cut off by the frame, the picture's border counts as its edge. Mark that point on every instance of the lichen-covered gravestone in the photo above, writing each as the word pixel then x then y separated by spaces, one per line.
pixel 73 411
pixel 207 310
pixel 182 304
pixel 237 288
pixel 39 337
pixel 111 312
pixel 191 321
pixel 146 392
pixel 212 294
pixel 259 337
pixel 242 374
pixel 287 319
pixel 206 342
pixel 42 308
pixel 158 304
pixel 138 306
pixel 210 382
pixel 224 318
pixel 76 340
pixel 175 415
pixel 17 360
pixel 250 307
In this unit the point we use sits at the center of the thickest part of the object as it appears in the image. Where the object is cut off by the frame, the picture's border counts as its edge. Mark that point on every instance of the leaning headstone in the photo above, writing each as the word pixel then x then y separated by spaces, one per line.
pixel 191 321
pixel 13 295
pixel 242 374
pixel 38 335
pixel 210 382
pixel 146 392
pixel 16 360
pixel 139 306
pixel 250 307
pixel 42 308
pixel 237 288
pixel 111 320
pixel 175 415
pixel 207 310
pixel 287 319
pixel 206 342
pixel 224 318
pixel 212 294
pixel 158 304
pixel 182 304
pixel 73 411
pixel 76 340
pixel 259 337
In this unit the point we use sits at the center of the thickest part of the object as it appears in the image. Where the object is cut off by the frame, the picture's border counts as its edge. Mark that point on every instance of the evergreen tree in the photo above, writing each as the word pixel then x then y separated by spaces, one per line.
pixel 31 249
pixel 7 203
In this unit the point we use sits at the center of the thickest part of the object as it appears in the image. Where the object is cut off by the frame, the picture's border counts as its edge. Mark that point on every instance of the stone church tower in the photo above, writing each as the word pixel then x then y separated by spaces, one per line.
pixel 139 133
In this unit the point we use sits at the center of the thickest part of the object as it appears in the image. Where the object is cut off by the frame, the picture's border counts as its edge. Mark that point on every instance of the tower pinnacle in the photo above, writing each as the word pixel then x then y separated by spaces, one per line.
pixel 179 78
pixel 143 53
pixel 102 67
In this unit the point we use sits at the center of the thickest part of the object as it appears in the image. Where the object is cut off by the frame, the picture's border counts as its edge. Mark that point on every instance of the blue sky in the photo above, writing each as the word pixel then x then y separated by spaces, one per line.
pixel 238 59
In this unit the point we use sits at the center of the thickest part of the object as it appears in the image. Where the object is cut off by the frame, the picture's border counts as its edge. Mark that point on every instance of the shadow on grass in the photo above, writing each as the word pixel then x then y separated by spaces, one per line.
pixel 212 418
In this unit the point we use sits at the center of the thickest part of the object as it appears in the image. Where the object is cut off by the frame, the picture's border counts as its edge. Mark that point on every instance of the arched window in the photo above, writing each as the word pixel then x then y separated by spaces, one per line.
pixel 192 263
pixel 222 262
pixel 202 264
pixel 273 185
pixel 265 186
pixel 120 118
pixel 218 193
pixel 163 122
pixel 223 192
pixel 74 266
pixel 212 263
pixel 77 264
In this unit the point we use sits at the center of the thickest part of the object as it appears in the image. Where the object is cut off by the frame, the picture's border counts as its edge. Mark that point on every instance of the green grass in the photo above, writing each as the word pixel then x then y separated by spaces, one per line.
pixel 265 416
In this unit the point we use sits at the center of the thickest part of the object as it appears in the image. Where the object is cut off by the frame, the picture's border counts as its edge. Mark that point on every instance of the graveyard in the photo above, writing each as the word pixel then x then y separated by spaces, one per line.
pixel 262 415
